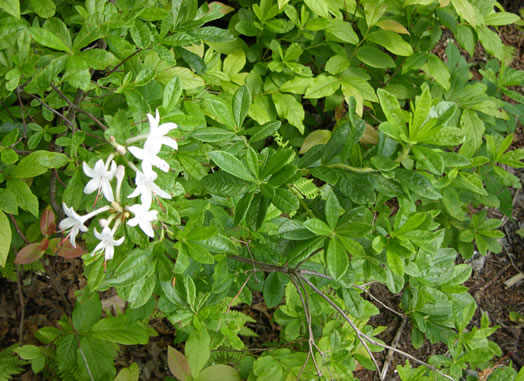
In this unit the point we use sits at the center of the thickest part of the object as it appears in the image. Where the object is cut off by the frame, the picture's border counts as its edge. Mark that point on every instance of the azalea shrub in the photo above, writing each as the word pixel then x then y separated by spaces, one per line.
pixel 201 157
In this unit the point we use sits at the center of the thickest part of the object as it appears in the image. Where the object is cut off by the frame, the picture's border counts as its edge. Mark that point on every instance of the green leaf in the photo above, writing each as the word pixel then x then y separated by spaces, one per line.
pixel 332 210
pixel 11 6
pixel 285 200
pixel 257 211
pixel 197 350
pixel 447 136
pixel 335 65
pixel 500 18
pixel 219 111
pixel 417 183
pixel 395 262
pixel 465 10
pixel 172 93
pixel 5 238
pixel 241 102
pixel 262 132
pixel 466 38
pixel 223 184
pixel 242 207
pixel 87 311
pixel 319 7
pixel 337 259
pixel 8 201
pixel 316 137
pixel 341 31
pixel 322 86
pixel 43 8
pixel 198 253
pixel 219 372
pixel 24 197
pixel 98 59
pixel 289 108
pixel 121 330
pixel 438 70
pixel 428 158
pixel 141 291
pixel 99 355
pixel 491 42
pixel 37 163
pixel 136 265
pixel 274 286
pixel 374 57
pixel 131 373
pixel 77 73
pixel 391 107
pixel 391 41
pixel 48 39
pixel 231 164
pixel 212 134
pixel 140 34
pixel 29 352
pixel 212 34
pixel 318 227
pixel 234 62
pixel 422 107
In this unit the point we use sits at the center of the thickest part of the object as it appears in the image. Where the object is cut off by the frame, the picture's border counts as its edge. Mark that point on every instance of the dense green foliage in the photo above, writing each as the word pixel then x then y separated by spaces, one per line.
pixel 321 146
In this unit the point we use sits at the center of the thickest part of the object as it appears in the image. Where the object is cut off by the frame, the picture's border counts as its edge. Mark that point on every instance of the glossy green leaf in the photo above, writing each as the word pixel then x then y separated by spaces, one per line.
pixel 391 41
pixel 322 86
pixel 274 289
pixel 197 350
pixel 120 330
pixel 48 39
pixel 318 227
pixel 337 259
pixel 38 162
pixel 374 57
pixel 241 102
pixel 231 164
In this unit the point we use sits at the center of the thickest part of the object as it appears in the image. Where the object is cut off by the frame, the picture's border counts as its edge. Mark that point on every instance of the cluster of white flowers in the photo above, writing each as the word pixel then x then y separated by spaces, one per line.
pixel 103 173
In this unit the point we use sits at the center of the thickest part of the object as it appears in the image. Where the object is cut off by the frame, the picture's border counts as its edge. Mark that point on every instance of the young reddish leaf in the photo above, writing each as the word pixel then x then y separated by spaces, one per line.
pixel 30 253
pixel 48 222
pixel 220 7
pixel 178 364
pixel 65 249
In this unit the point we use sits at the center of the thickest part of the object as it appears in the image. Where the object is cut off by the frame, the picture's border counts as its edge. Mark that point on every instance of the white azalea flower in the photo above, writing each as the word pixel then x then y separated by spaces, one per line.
pixel 143 218
pixel 107 242
pixel 76 223
pixel 149 157
pixel 146 188
pixel 100 179
pixel 156 137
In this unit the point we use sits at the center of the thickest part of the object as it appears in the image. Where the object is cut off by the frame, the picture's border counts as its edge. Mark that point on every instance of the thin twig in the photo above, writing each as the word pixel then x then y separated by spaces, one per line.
pixel 496 277
pixel 22 304
pixel 355 328
pixel 18 231
pixel 51 109
pixel 311 340
pixel 394 344
pixel 123 62
pixel 21 111
pixel 91 116
pixel 233 300
pixel 379 301
pixel 362 335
